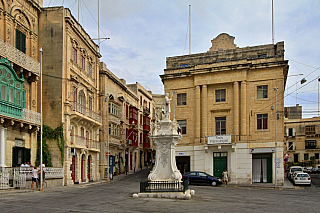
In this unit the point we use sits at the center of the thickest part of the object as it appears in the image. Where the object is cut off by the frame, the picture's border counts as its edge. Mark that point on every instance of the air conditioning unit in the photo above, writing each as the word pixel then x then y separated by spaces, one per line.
pixel 130 142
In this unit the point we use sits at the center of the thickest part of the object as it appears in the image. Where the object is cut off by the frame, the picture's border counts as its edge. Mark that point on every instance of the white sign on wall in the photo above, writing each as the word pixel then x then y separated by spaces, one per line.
pixel 219 139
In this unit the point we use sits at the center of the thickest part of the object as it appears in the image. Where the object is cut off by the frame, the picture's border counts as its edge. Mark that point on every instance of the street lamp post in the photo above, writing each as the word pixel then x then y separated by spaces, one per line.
pixel 275 129
pixel 108 153
pixel 41 124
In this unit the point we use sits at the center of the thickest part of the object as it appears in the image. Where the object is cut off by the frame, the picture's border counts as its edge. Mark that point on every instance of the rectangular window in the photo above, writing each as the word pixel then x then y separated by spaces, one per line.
pixel 220 125
pixel 316 156
pixel 262 121
pixel 11 95
pixel 181 99
pixel 221 95
pixel 290 132
pixel 183 126
pixel 4 93
pixel 310 130
pixel 306 156
pixel 310 144
pixel 262 92
pixel 18 100
pixel 90 69
pixel 74 54
pixel 83 62
pixel 20 41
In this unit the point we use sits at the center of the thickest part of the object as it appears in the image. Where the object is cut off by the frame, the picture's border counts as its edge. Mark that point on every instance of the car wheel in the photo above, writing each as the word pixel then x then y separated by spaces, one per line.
pixel 213 183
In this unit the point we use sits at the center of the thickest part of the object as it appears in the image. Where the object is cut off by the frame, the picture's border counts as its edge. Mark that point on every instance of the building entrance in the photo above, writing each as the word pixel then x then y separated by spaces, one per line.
pixel 183 164
pixel 219 163
pixel 262 168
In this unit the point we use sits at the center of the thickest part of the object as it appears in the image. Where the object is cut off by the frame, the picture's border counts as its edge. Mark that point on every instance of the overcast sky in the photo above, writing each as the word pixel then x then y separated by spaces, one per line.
pixel 144 32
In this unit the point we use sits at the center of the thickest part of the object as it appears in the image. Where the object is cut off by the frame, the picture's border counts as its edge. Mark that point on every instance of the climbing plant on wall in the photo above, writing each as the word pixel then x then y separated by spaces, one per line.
pixel 51 134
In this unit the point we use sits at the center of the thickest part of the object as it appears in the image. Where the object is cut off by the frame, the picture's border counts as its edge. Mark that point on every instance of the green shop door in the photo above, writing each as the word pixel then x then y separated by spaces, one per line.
pixel 219 163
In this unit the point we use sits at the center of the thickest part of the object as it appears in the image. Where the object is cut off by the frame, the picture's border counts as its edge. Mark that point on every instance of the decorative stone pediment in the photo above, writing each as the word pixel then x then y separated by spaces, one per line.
pixel 223 42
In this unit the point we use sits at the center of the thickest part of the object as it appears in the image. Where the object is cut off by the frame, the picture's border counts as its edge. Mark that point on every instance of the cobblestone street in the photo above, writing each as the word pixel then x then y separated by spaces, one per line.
pixel 116 196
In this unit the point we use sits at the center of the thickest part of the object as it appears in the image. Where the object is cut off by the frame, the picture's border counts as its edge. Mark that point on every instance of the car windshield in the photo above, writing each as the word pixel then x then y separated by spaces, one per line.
pixel 296 169
pixel 302 175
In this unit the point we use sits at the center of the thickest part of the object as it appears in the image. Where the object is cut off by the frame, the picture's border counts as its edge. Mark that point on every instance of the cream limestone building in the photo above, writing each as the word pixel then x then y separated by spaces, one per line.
pixel 128 119
pixel 115 97
pixel 146 117
pixel 225 102
pixel 19 71
pixel 302 138
pixel 70 93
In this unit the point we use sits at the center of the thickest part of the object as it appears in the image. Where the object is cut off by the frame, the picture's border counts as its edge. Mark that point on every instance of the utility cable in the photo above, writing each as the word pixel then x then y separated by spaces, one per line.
pixel 93 18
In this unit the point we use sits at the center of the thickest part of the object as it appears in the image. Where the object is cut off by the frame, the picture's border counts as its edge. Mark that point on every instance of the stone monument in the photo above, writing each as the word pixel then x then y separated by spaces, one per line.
pixel 165 137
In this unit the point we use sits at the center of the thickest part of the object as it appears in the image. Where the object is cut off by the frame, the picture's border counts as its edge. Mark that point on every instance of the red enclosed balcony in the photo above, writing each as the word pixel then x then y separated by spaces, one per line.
pixel 146 123
pixel 132 137
pixel 133 115
pixel 146 141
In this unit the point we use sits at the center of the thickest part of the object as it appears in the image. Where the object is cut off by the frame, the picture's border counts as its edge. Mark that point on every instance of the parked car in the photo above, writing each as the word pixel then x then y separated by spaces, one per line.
pixel 307 169
pixel 196 177
pixel 294 175
pixel 315 171
pixel 292 169
pixel 302 178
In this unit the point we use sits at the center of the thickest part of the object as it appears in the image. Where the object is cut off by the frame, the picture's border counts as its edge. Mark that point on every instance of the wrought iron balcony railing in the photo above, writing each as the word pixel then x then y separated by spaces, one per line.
pixel 86 111
pixel 82 141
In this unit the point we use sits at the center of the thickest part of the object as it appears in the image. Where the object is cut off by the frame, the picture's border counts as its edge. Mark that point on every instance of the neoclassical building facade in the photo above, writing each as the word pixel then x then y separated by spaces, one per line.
pixel 71 97
pixel 225 101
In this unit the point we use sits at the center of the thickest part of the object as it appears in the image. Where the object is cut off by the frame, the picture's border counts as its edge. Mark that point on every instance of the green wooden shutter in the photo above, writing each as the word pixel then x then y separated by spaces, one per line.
pixel 23 43
pixel 18 35
pixel 14 156
pixel 26 155
pixel 20 41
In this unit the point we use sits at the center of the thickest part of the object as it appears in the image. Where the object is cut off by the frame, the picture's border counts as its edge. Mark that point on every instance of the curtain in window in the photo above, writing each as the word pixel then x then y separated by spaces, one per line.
pixel 256 170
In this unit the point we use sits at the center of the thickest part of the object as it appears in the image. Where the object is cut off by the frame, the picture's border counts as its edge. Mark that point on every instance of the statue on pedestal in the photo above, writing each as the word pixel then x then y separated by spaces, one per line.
pixel 165 137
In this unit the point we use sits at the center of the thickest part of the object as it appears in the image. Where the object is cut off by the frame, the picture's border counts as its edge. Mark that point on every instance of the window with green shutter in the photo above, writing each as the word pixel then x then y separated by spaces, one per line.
pixel 20 41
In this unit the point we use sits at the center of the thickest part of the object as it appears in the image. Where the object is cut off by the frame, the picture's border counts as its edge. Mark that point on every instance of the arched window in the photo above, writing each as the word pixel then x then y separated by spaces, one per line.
pixel 82 102
pixel 11 87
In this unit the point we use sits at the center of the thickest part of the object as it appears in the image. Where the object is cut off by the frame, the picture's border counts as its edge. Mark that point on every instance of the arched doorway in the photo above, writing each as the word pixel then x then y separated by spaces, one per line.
pixel 89 168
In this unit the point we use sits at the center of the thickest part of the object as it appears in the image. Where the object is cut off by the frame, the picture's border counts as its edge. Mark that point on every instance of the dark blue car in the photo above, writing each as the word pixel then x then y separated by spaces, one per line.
pixel 195 177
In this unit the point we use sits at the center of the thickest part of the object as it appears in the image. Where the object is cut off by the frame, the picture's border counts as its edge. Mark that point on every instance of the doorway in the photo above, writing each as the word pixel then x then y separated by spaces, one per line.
pixel 89 167
pixel 183 164
pixel 73 169
pixel 296 158
pixel 262 168
pixel 219 163
pixel 82 168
